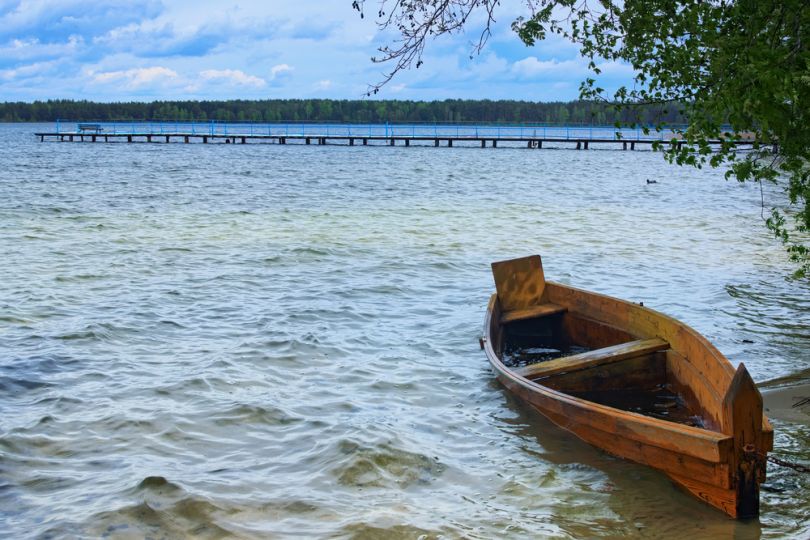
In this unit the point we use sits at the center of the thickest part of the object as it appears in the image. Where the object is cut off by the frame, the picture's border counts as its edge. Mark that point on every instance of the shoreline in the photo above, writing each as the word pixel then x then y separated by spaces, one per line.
pixel 788 398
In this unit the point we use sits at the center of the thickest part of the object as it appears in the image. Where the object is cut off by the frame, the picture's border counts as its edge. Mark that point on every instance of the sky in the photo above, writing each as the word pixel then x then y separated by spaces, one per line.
pixel 143 50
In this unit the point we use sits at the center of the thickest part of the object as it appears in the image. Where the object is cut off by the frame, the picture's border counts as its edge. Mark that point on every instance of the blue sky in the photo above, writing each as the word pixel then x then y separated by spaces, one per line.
pixel 110 50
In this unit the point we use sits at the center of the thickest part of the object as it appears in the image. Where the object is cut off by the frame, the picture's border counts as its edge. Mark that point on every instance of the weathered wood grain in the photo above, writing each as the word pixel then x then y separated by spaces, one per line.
pixel 591 359
pixel 590 333
pixel 520 282
pixel 723 465
pixel 533 312
pixel 742 417
pixel 640 373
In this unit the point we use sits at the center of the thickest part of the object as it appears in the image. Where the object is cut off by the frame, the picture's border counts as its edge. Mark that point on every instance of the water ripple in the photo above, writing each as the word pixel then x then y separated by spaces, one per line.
pixel 278 341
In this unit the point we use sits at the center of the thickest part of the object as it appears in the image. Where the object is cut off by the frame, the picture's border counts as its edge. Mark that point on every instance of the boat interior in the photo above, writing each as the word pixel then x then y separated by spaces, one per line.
pixel 569 352
pixel 600 363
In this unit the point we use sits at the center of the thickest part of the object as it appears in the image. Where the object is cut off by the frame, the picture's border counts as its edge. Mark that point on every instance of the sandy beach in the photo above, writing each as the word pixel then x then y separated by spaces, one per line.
pixel 788 398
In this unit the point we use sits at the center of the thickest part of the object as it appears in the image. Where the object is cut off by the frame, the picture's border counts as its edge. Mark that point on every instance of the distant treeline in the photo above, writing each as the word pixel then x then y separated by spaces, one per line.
pixel 330 110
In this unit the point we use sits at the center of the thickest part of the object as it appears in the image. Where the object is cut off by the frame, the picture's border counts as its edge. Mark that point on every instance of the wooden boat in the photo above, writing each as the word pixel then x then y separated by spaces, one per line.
pixel 631 381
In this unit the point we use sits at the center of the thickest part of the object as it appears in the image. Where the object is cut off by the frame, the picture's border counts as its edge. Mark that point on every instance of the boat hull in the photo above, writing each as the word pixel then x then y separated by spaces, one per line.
pixel 722 463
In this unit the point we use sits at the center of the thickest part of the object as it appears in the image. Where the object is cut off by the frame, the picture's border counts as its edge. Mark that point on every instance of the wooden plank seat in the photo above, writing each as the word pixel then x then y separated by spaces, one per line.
pixel 533 312
pixel 576 362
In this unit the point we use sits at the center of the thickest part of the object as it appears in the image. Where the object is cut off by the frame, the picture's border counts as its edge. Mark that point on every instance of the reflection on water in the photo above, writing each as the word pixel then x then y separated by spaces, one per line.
pixel 246 341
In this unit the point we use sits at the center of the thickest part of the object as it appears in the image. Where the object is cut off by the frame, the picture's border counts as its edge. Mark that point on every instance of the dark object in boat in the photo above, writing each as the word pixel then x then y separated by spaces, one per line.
pixel 632 381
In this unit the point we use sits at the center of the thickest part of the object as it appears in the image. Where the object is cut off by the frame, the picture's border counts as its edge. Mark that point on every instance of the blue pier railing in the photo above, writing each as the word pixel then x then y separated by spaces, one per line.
pixel 385 130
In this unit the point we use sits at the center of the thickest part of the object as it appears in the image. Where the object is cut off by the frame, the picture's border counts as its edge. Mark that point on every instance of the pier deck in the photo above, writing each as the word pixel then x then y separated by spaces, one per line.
pixel 530 136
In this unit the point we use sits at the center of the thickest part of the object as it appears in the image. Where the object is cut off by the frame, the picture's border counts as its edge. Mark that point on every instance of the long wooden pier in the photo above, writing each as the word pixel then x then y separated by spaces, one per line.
pixel 529 136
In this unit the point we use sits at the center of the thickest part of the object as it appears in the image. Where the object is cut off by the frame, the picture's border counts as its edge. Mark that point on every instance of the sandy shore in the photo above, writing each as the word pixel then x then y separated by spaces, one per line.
pixel 788 398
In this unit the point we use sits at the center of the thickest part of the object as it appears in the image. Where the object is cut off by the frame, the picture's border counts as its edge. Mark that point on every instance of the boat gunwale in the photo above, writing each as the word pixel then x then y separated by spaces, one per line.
pixel 722 360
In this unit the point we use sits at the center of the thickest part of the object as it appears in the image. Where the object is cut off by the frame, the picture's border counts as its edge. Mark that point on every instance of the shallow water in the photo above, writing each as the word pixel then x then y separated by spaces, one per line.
pixel 268 341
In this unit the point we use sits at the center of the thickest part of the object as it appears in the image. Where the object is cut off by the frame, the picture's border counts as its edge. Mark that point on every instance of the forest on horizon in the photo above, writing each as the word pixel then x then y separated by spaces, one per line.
pixel 340 111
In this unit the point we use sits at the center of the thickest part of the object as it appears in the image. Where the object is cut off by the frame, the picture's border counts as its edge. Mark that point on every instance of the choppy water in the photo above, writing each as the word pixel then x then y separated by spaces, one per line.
pixel 268 341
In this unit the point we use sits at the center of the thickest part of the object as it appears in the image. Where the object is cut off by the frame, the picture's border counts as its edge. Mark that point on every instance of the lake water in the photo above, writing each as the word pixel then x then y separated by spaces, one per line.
pixel 268 341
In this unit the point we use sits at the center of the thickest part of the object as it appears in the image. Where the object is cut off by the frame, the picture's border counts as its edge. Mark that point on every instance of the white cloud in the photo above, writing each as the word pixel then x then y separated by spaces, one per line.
pixel 53 20
pixel 324 84
pixel 233 76
pixel 136 77
pixel 23 43
pixel 202 50
pixel 28 71
pixel 531 67
pixel 279 70
pixel 33 48
pixel 616 69
pixel 119 34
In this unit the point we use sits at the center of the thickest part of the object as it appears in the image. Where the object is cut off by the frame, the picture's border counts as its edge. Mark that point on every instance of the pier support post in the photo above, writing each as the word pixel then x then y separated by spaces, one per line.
pixel 632 146
pixel 308 142
pixel 82 136
pixel 93 138
pixel 351 141
pixel 586 145
pixel 205 139
pixel 624 145
pixel 450 143
pixel 71 138
pixel 407 142
pixel 106 138
pixel 282 140
pixel 62 138
pixel 167 139
pixel 483 143
pixel 539 145
pixel 365 142
pixel 435 142
pixel 529 144
pixel 129 138
pixel 494 143
pixel 42 138
pixel 579 145
pixel 185 139
pixel 148 138
pixel 243 140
